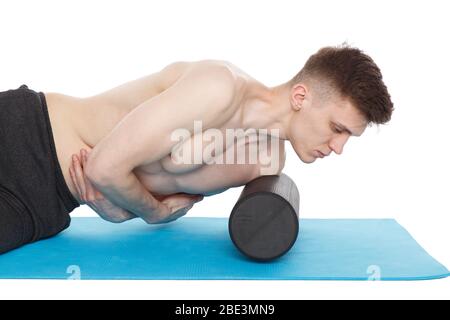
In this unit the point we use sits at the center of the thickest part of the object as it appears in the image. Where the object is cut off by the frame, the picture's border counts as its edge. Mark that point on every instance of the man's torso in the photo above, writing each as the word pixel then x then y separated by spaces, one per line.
pixel 82 122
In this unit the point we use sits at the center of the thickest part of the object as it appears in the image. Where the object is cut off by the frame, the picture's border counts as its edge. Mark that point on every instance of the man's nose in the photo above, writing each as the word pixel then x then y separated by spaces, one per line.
pixel 337 144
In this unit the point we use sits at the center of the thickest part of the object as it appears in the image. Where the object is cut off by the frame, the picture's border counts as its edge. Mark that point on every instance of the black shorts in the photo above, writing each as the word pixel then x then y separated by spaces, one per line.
pixel 35 201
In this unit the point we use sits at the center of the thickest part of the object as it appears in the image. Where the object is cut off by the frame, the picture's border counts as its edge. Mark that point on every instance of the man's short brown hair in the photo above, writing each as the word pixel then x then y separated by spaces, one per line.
pixel 354 75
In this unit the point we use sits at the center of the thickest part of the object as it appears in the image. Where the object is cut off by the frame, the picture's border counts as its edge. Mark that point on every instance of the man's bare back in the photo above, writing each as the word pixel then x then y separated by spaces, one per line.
pixel 83 122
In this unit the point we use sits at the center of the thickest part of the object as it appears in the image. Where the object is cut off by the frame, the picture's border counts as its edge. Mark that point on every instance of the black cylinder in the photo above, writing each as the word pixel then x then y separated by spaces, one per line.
pixel 264 222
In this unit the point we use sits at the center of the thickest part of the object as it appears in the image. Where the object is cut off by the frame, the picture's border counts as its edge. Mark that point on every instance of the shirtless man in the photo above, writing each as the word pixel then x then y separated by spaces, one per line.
pixel 128 131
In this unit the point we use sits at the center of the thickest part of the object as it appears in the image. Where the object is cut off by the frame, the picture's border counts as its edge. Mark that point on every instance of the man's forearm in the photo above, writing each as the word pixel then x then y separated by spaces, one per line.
pixel 127 192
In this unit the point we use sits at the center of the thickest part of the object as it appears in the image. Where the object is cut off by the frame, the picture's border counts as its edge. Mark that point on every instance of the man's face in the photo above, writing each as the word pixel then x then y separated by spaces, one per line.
pixel 322 126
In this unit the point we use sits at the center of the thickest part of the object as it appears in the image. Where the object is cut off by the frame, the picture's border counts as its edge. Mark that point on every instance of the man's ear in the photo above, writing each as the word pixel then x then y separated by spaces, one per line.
pixel 298 94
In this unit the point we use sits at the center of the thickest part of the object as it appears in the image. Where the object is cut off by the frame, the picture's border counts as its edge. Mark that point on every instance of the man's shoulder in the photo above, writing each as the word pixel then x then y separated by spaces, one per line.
pixel 208 78
pixel 212 72
pixel 218 69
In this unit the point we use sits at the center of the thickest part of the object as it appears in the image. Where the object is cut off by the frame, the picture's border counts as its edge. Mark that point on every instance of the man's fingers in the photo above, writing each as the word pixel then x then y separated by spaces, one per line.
pixel 179 206
pixel 196 198
pixel 128 216
pixel 74 180
pixel 124 216
pixel 185 207
pixel 90 189
pixel 79 176
pixel 90 192
pixel 182 200
pixel 179 213
pixel 185 203
pixel 172 217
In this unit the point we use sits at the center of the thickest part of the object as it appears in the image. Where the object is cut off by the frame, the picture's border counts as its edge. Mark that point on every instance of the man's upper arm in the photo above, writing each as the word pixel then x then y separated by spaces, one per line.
pixel 143 136
pixel 276 165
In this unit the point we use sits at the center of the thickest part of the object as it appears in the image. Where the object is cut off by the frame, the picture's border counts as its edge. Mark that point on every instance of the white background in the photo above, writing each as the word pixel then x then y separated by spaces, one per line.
pixel 396 171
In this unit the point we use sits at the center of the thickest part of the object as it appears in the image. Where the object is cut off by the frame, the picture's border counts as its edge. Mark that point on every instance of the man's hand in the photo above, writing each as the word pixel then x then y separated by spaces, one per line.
pixel 91 196
pixel 171 207
pixel 176 205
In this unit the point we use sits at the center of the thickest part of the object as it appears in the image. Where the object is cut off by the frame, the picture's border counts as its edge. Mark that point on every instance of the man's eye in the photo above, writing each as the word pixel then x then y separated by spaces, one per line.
pixel 337 130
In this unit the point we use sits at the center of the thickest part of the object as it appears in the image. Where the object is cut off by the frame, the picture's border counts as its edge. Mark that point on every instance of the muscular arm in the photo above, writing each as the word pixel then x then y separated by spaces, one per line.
pixel 144 135
pixel 215 179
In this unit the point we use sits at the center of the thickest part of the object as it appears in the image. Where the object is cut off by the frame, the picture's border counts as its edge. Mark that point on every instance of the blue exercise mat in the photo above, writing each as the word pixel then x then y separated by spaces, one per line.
pixel 200 248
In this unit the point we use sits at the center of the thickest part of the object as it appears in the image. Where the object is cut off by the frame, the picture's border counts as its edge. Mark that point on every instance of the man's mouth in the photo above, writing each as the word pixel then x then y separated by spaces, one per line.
pixel 319 154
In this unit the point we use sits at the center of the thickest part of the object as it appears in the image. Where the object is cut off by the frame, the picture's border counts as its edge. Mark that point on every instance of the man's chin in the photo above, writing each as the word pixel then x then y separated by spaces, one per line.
pixel 307 159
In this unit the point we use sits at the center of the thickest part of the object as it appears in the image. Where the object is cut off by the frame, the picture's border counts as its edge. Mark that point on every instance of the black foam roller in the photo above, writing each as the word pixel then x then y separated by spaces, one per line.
pixel 264 222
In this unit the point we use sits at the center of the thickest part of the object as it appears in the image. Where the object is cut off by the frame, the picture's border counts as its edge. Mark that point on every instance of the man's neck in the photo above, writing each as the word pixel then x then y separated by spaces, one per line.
pixel 267 108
